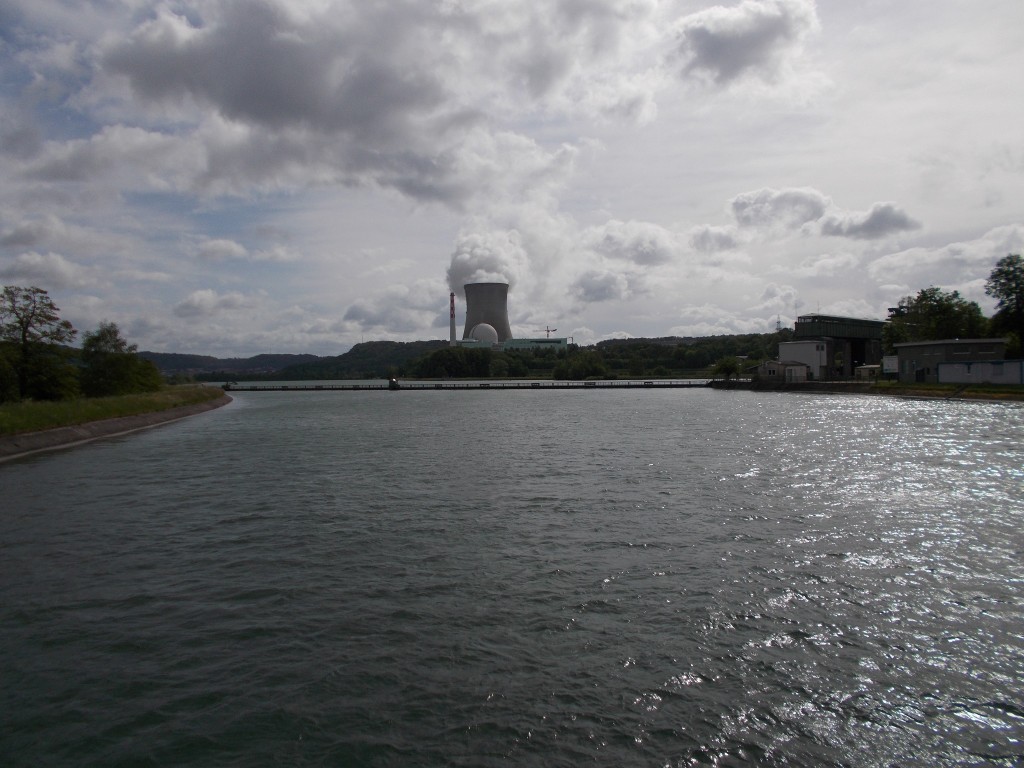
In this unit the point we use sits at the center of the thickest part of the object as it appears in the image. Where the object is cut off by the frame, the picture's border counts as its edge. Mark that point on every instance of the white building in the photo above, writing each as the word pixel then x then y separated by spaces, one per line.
pixel 782 370
pixel 814 353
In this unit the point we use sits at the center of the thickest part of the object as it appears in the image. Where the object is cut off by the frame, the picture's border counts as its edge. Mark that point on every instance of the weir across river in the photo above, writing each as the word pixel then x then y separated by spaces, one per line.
pixel 395 385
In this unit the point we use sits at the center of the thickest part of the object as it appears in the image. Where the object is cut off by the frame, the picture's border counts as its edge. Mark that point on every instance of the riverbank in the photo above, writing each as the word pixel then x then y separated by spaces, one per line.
pixel 13 446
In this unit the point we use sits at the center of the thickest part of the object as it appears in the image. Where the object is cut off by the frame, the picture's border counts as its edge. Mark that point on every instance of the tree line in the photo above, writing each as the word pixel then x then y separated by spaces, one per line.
pixel 933 313
pixel 36 362
pixel 619 358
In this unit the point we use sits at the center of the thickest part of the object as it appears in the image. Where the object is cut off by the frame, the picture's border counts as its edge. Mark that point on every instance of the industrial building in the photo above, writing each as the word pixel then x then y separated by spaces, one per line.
pixel 487 313
pixel 833 347
pixel 920 361
pixel 788 371
pixel 487 325
pixel 982 372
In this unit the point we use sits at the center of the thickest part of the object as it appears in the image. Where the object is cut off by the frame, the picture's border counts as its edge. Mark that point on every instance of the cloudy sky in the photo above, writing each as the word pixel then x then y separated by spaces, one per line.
pixel 232 177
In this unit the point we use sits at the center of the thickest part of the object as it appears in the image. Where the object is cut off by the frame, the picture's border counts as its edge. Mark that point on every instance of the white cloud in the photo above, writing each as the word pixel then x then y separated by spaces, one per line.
pixel 134 157
pixel 776 298
pixel 637 242
pixel 714 320
pixel 952 265
pixel 45 270
pixel 279 253
pixel 33 232
pixel 808 211
pixel 207 302
pixel 221 248
pixel 756 38
pixel 881 220
pixel 487 257
pixel 597 286
pixel 782 208
pixel 400 309
pixel 826 265
pixel 224 249
pixel 710 239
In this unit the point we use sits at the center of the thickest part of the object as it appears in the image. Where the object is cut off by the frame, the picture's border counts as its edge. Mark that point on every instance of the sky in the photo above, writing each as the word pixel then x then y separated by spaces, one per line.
pixel 235 177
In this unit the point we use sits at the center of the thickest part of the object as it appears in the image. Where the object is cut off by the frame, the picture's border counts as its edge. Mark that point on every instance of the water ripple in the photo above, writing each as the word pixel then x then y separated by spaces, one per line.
pixel 654 578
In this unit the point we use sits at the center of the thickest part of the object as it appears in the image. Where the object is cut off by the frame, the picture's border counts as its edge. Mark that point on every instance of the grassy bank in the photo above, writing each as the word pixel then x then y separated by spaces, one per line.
pixel 17 418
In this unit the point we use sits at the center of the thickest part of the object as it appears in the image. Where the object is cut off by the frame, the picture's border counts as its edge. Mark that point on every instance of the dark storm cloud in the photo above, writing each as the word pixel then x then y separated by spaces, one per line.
pixel 751 38
pixel 881 220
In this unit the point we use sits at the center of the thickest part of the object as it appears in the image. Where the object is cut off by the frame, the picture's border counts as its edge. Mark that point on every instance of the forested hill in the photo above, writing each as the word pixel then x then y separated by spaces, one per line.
pixel 171 363
pixel 382 359
pixel 370 359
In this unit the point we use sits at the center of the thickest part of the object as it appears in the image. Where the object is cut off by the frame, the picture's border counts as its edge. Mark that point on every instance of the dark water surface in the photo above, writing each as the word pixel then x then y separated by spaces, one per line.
pixel 651 578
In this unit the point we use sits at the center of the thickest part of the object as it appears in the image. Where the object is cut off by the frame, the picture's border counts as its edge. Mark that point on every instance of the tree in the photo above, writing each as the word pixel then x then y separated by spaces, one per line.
pixel 933 314
pixel 726 367
pixel 29 323
pixel 8 374
pixel 454 363
pixel 580 365
pixel 1006 285
pixel 111 367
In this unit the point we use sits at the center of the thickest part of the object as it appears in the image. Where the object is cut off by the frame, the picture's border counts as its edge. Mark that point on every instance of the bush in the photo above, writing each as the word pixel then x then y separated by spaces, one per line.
pixel 50 377
pixel 111 367
pixel 119 373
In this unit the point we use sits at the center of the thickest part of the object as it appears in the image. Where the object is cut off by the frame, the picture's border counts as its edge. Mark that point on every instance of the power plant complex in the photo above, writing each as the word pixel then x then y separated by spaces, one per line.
pixel 487 324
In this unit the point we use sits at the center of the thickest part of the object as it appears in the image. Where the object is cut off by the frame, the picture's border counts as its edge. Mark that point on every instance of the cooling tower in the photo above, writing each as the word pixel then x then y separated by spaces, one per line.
pixel 487 304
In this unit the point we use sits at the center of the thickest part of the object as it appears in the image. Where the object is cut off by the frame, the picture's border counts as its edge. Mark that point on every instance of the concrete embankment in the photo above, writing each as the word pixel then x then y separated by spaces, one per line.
pixel 14 446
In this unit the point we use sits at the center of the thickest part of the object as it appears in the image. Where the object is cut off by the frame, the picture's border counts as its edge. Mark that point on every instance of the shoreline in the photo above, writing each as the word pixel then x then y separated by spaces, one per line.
pixel 963 393
pixel 28 443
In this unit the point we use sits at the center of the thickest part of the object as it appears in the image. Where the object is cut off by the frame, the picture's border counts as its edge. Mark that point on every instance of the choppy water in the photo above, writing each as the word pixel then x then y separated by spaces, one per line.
pixel 518 578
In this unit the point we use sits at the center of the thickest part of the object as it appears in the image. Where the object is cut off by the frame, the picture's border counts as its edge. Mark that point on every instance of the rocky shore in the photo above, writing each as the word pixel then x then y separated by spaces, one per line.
pixel 15 446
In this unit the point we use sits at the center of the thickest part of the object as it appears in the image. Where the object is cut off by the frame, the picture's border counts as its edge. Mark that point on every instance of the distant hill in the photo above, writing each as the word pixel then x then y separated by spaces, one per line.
pixel 171 363
pixel 667 355
pixel 661 341
pixel 371 359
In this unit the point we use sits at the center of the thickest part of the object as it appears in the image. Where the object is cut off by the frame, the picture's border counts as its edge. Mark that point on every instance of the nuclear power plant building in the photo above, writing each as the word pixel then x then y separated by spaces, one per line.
pixel 487 312
pixel 487 320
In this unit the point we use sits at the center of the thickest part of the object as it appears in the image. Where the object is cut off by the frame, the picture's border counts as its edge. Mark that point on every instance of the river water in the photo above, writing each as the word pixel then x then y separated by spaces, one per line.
pixel 477 578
